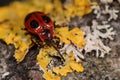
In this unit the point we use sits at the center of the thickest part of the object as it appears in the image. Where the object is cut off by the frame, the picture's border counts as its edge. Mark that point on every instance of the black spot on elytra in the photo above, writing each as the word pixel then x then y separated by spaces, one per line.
pixel 34 24
pixel 46 19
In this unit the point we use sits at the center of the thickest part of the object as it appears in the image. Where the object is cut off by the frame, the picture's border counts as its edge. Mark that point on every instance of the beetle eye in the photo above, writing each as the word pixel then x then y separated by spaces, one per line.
pixel 34 24
pixel 46 19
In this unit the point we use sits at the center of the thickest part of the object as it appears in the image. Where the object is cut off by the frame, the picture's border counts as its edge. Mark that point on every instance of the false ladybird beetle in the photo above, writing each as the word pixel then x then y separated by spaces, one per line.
pixel 40 24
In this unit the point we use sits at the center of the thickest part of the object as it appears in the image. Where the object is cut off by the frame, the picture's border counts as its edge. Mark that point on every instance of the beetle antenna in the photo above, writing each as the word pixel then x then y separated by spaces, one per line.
pixel 51 42
pixel 23 28
pixel 58 52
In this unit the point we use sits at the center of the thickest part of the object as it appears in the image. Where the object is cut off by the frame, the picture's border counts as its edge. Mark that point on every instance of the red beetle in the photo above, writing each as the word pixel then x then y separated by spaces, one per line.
pixel 40 24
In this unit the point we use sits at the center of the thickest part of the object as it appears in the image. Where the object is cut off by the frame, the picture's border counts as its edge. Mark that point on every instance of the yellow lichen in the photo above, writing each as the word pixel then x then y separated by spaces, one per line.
pixel 58 11
pixel 63 12
pixel 48 75
pixel 4 31
pixel 77 8
pixel 75 35
pixel 11 32
pixel 43 57
pixel 62 70
pixel 70 64
pixel 21 43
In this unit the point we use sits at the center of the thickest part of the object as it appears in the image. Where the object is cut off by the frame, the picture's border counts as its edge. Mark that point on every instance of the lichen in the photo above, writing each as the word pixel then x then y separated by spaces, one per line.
pixel 75 36
pixel 69 65
pixel 71 48
pixel 113 13
pixel 13 20
pixel 11 24
pixel 94 42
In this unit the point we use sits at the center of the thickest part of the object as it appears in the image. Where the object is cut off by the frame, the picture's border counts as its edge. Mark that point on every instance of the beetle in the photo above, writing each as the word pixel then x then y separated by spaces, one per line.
pixel 40 24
